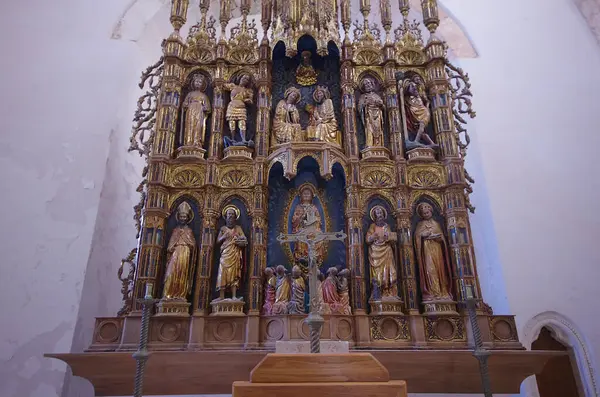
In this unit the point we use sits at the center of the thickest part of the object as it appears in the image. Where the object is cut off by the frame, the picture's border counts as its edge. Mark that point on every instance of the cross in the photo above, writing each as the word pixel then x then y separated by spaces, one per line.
pixel 314 320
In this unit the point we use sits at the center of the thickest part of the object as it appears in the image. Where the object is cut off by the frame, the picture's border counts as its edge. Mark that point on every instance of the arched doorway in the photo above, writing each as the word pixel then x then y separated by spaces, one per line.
pixel 559 377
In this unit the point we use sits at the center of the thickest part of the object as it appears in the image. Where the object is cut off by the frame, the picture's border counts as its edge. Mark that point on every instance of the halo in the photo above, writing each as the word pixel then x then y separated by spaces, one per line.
pixel 308 186
pixel 372 212
pixel 232 207
pixel 185 207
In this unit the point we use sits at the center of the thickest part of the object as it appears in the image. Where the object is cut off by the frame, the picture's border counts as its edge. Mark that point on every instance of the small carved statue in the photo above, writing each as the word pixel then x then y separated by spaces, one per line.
pixel 306 75
pixel 237 110
pixel 307 219
pixel 286 123
pixel 322 125
pixel 196 109
pixel 270 284
pixel 343 290
pixel 296 305
pixel 282 291
pixel 370 106
pixel 435 270
pixel 323 308
pixel 380 239
pixel 416 106
pixel 232 240
pixel 180 253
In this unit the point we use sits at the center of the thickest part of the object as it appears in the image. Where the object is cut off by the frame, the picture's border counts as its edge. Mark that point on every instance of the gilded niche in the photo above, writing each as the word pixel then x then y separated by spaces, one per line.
pixel 425 177
pixel 236 179
pixel 185 177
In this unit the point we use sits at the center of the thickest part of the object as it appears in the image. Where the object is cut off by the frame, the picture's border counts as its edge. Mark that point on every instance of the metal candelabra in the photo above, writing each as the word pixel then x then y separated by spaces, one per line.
pixel 141 355
pixel 479 352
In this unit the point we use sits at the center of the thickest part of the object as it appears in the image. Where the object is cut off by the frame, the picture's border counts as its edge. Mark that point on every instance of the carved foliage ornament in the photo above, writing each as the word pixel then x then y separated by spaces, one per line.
pixel 367 45
pixel 201 42
pixel 243 45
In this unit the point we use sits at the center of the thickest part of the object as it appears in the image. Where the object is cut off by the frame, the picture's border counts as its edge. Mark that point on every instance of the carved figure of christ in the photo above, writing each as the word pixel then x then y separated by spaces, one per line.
pixel 314 320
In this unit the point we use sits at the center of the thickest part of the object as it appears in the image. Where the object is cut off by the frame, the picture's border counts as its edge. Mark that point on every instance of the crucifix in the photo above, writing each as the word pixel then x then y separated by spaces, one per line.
pixel 314 320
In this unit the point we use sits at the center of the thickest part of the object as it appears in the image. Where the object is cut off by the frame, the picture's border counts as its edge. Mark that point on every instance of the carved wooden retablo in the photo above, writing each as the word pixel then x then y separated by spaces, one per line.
pixel 296 127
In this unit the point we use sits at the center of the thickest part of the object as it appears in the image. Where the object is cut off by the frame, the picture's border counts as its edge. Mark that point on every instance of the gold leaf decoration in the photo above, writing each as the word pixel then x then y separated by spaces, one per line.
pixel 187 178
pixel 236 179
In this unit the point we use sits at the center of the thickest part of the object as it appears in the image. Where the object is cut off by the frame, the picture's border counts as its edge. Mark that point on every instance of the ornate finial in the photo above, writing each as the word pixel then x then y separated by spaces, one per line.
pixel 224 17
pixel 430 15
pixel 404 6
pixel 201 39
pixel 244 39
pixel 385 9
pixel 266 16
pixel 179 10
pixel 346 19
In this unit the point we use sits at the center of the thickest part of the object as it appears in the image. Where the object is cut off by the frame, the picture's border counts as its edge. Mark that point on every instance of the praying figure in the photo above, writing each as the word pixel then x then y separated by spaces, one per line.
pixel 181 252
pixel 286 122
pixel 282 291
pixel 296 304
pixel 322 124
pixel 232 240
pixel 305 73
pixel 237 112
pixel 196 109
pixel 335 291
pixel 270 284
pixel 343 290
pixel 416 106
pixel 307 219
pixel 435 271
pixel 380 239
pixel 370 106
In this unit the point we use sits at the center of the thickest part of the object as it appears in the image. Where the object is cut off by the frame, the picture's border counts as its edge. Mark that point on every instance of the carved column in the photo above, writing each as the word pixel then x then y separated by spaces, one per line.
pixel 205 257
pixel 392 106
pixel 406 257
pixel 348 103
pixel 264 103
pixel 218 113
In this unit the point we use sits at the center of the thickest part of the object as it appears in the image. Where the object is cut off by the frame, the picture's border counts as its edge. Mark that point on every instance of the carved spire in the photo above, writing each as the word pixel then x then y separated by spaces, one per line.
pixel 385 9
pixel 430 15
pixel 266 16
pixel 346 18
pixel 224 17
pixel 179 10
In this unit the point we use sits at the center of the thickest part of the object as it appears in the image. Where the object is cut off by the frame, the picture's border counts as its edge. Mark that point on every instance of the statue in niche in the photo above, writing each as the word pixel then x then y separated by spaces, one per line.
pixel 323 308
pixel 322 125
pixel 380 239
pixel 332 292
pixel 432 256
pixel 196 109
pixel 236 115
pixel 416 106
pixel 181 252
pixel 296 305
pixel 343 289
pixel 307 219
pixel 306 75
pixel 370 106
pixel 232 240
pixel 282 291
pixel 270 284
pixel 286 123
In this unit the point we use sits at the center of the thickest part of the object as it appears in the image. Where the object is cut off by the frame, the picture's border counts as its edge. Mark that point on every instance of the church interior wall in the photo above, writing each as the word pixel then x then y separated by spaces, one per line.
pixel 71 184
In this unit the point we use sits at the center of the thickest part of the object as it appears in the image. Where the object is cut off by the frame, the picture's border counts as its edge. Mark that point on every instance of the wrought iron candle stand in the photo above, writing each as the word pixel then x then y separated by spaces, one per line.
pixel 142 354
pixel 479 352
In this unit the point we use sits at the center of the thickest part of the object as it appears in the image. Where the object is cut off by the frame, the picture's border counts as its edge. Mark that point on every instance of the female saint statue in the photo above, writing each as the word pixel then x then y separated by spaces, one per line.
pixel 323 124
pixel 416 106
pixel 370 106
pixel 343 290
pixel 282 291
pixel 380 240
pixel 305 73
pixel 237 112
pixel 432 256
pixel 232 240
pixel 306 219
pixel 296 305
pixel 180 256
pixel 286 123
pixel 196 109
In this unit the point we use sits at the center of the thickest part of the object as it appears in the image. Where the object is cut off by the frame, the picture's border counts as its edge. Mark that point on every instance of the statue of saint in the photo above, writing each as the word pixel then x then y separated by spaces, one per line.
pixel 380 239
pixel 343 290
pixel 282 291
pixel 307 219
pixel 370 106
pixel 306 75
pixel 296 305
pixel 232 240
pixel 270 284
pixel 435 270
pixel 335 291
pixel 286 123
pixel 196 109
pixel 322 125
pixel 181 252
pixel 416 106
pixel 323 307
pixel 237 112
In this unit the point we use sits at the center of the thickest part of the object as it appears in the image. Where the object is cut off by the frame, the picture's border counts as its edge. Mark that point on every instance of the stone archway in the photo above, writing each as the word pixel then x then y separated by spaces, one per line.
pixel 568 334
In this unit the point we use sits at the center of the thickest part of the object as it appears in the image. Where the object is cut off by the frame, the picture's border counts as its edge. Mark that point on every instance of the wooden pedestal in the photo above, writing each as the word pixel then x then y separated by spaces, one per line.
pixel 325 375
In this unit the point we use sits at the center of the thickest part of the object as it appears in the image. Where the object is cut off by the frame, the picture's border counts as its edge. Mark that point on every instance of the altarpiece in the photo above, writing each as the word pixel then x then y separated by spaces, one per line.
pixel 321 125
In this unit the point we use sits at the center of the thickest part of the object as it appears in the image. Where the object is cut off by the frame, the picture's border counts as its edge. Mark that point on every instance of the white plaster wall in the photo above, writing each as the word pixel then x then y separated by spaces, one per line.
pixel 535 84
pixel 63 81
